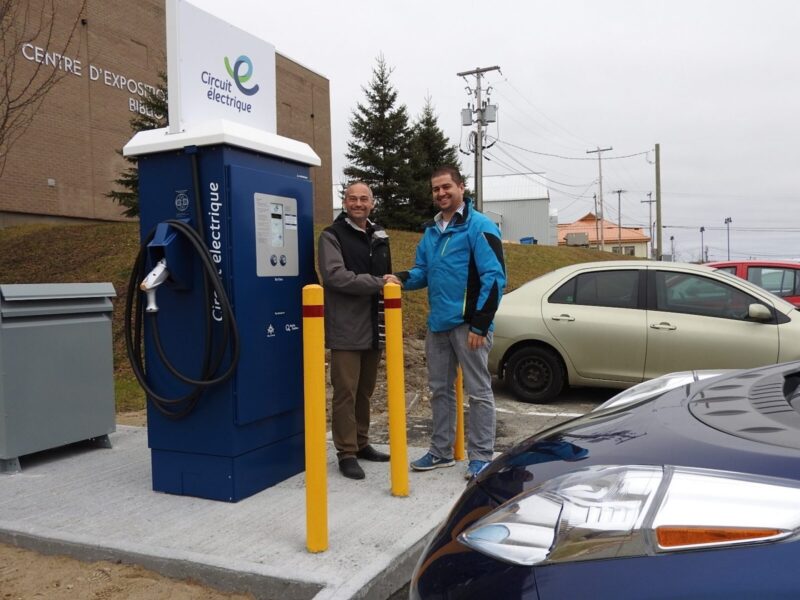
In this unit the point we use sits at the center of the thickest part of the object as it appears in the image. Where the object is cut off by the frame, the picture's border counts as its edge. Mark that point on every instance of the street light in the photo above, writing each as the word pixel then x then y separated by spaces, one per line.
pixel 728 222
pixel 702 229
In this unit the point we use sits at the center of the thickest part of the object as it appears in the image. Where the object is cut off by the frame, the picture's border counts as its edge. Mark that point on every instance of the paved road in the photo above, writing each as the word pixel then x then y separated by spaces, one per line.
pixel 515 420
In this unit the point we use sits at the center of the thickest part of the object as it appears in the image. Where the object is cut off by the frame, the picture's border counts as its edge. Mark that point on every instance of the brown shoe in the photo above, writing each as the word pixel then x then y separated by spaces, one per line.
pixel 369 453
pixel 350 468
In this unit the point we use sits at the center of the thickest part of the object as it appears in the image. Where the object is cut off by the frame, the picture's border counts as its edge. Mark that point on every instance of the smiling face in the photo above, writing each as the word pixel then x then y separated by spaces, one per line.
pixel 358 203
pixel 447 194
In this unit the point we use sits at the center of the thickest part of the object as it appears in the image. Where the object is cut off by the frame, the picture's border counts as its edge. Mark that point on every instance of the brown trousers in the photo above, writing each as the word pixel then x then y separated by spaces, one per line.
pixel 353 374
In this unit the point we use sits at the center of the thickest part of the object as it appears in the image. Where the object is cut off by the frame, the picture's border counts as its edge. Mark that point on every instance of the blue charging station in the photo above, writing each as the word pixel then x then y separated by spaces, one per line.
pixel 248 195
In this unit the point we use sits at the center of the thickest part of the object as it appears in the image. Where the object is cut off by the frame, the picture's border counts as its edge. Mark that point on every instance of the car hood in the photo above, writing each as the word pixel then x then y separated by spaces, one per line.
pixel 729 423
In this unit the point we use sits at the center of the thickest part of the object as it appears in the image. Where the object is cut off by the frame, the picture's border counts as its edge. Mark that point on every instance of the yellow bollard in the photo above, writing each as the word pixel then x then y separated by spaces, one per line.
pixel 395 383
pixel 458 448
pixel 316 445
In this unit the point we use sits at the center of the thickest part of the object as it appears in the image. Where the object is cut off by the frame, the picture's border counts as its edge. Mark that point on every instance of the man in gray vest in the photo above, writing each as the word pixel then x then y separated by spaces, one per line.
pixel 353 256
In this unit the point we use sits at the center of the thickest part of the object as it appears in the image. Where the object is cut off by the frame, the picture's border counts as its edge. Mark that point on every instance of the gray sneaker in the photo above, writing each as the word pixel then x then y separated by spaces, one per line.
pixel 429 461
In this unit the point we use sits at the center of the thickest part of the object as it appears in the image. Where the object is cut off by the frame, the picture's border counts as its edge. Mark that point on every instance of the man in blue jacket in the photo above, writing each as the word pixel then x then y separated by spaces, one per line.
pixel 460 260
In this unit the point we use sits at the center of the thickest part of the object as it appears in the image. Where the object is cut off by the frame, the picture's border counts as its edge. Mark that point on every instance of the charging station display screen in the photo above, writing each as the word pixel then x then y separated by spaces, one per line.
pixel 277 225
pixel 276 236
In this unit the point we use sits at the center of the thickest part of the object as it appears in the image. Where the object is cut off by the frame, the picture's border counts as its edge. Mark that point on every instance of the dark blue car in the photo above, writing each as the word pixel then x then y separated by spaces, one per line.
pixel 686 486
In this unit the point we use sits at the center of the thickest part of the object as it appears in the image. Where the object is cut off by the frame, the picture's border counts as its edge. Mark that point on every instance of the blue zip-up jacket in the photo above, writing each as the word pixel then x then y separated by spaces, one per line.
pixel 463 269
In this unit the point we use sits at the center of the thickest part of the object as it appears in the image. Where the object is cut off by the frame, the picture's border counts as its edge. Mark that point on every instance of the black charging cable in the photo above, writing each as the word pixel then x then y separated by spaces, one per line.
pixel 181 406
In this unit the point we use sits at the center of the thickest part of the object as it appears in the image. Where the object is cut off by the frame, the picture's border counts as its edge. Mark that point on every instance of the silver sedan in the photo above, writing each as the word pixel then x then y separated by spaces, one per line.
pixel 614 324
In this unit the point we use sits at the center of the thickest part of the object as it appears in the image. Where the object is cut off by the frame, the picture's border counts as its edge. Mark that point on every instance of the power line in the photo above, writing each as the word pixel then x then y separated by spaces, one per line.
pixel 514 171
pixel 526 122
pixel 503 142
pixel 724 195
pixel 512 157
pixel 537 109
pixel 745 254
pixel 750 229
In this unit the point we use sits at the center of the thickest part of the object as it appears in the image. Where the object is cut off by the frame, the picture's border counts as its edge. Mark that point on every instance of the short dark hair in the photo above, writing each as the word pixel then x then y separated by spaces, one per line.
pixel 448 170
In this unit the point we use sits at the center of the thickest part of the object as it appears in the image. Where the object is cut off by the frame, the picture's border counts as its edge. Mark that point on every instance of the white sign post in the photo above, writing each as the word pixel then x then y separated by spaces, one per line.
pixel 221 90
pixel 217 71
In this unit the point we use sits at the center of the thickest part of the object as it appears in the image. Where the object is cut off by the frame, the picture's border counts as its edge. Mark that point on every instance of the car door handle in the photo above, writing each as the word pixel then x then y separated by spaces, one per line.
pixel 662 325
pixel 563 317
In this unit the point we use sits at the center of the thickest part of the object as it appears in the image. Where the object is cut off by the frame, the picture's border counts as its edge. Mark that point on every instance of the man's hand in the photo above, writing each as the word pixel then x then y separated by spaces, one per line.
pixel 390 278
pixel 475 341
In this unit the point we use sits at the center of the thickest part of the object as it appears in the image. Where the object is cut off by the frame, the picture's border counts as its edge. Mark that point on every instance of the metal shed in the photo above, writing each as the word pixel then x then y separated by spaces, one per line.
pixel 520 206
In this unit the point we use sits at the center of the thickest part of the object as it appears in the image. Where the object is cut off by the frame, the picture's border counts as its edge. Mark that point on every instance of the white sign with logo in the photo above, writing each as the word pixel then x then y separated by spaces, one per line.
pixel 217 71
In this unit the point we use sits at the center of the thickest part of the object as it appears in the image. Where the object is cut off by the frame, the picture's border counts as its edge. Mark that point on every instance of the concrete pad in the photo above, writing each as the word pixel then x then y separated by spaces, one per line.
pixel 98 504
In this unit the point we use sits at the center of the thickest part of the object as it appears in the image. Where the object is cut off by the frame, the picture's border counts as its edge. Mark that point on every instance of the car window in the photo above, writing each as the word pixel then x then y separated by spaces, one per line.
pixel 779 281
pixel 698 295
pixel 731 270
pixel 619 289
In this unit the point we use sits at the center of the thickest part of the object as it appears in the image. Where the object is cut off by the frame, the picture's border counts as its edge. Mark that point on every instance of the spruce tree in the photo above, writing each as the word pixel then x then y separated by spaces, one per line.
pixel 430 149
pixel 155 116
pixel 379 150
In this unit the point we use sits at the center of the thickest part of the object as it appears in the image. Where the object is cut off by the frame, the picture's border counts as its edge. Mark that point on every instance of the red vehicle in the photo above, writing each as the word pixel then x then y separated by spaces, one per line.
pixel 781 277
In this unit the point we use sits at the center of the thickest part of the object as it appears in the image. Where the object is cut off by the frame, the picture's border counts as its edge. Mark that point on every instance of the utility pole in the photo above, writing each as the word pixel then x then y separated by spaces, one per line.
pixel 619 215
pixel 596 225
pixel 483 115
pixel 728 222
pixel 702 229
pixel 599 152
pixel 649 203
pixel 672 248
pixel 658 203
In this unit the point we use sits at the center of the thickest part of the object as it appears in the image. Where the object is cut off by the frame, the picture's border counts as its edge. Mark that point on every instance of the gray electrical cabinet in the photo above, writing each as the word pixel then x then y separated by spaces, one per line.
pixel 56 367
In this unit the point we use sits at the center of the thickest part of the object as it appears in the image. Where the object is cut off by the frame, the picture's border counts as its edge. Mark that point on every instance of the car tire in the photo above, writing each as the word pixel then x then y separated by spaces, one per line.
pixel 535 374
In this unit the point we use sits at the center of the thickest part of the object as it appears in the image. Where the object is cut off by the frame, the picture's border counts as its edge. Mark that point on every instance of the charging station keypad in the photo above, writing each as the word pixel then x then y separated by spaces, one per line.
pixel 276 235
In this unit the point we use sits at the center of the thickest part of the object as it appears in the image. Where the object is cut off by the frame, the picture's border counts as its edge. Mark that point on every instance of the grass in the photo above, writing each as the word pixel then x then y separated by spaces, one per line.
pixel 105 252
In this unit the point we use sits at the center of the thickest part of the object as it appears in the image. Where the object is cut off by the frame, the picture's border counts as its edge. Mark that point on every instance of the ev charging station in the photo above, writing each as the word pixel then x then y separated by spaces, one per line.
pixel 215 300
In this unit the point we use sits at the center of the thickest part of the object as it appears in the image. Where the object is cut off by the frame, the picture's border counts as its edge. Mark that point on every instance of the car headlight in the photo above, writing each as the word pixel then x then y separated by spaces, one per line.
pixel 655 387
pixel 617 511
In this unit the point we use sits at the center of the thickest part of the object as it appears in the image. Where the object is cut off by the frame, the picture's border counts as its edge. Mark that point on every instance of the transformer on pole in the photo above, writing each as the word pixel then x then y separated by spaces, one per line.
pixel 484 114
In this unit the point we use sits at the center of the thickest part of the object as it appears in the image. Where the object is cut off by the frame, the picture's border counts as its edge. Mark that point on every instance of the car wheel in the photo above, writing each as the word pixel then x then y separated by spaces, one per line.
pixel 535 374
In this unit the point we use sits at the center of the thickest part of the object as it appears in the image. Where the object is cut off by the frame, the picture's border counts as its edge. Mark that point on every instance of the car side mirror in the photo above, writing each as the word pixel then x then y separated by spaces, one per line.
pixel 759 312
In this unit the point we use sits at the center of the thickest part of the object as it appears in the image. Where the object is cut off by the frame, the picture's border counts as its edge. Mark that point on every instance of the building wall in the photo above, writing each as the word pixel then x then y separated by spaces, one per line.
pixel 639 248
pixel 521 219
pixel 304 113
pixel 67 160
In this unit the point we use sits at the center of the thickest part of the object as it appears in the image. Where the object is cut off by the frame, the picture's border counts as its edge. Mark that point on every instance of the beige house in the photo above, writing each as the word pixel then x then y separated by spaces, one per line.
pixel 604 235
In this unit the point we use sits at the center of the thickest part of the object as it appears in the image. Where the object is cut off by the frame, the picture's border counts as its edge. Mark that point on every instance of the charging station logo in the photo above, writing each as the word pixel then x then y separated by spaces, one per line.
pixel 181 201
pixel 241 73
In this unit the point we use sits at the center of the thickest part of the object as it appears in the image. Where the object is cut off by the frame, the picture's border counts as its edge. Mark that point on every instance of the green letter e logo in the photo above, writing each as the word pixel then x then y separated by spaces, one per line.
pixel 240 77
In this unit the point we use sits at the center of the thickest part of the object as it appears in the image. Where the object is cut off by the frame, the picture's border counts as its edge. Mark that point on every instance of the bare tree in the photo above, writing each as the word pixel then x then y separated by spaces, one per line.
pixel 24 84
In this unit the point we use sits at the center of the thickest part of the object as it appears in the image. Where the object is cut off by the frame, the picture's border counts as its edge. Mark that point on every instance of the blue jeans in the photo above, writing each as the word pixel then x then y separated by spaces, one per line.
pixel 445 351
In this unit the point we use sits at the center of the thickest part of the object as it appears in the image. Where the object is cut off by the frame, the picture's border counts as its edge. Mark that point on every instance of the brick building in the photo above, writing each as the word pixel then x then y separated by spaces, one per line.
pixel 61 168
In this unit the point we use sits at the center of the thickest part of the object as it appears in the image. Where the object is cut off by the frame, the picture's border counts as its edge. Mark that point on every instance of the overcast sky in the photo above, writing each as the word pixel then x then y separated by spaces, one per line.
pixel 715 83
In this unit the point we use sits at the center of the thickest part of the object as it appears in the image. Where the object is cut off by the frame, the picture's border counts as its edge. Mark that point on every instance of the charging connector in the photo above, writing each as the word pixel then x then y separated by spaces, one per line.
pixel 150 283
